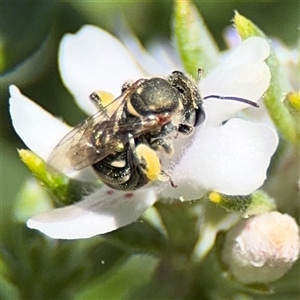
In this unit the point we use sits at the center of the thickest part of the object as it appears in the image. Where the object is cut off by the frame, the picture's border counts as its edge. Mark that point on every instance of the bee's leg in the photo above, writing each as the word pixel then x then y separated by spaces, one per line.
pixel 149 163
pixel 96 99
pixel 163 144
pixel 164 176
pixel 167 129
pixel 101 99
pixel 147 159
pixel 185 129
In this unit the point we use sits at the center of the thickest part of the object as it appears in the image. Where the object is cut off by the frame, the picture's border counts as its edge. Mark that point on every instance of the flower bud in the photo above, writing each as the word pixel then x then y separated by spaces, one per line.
pixel 64 189
pixel 292 102
pixel 263 248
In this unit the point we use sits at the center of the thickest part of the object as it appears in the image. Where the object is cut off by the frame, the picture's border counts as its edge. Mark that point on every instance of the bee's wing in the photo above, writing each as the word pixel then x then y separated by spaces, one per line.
pixel 77 149
pixel 95 138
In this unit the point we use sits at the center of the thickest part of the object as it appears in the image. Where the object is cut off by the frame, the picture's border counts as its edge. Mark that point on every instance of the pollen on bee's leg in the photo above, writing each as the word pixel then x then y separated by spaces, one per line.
pixel 152 167
pixel 106 97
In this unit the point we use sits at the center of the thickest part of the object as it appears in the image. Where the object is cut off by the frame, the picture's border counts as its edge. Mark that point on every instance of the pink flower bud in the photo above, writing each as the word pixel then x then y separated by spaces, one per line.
pixel 263 248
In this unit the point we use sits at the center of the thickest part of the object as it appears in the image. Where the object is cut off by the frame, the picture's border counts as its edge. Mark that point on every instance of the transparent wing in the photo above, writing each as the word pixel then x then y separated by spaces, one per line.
pixel 96 137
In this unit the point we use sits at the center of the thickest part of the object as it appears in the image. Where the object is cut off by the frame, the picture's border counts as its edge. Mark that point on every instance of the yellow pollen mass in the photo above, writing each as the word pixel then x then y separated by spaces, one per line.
pixel 215 197
pixel 106 97
pixel 153 168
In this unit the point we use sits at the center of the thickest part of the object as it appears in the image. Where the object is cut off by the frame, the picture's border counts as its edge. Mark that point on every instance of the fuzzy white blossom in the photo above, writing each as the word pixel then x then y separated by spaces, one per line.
pixel 263 248
pixel 230 157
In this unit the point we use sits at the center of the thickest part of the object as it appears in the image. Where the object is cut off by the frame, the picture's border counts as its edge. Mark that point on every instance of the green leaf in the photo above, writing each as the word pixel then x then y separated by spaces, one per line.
pixel 135 272
pixel 196 46
pixel 55 267
pixel 278 85
pixel 101 257
pixel 32 67
pixel 138 237
pixel 180 220
pixel 172 279
pixel 8 288
pixel 24 27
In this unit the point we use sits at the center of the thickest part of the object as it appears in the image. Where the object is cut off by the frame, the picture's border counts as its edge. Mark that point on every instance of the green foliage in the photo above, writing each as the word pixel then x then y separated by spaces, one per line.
pixel 195 45
pixel 141 260
pixel 133 273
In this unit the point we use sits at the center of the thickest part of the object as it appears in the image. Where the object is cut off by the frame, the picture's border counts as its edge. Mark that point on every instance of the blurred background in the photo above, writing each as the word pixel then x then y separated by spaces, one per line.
pixel 30 35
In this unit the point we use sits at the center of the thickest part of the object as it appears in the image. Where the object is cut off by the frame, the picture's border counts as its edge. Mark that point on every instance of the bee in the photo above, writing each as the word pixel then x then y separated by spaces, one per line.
pixel 122 140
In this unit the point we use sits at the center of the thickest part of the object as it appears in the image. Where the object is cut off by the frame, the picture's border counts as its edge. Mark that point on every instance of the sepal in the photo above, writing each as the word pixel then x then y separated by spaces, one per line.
pixel 256 203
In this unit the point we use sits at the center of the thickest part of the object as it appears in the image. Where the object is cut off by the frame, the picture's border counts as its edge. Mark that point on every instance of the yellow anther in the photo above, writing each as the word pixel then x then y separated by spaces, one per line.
pixel 215 197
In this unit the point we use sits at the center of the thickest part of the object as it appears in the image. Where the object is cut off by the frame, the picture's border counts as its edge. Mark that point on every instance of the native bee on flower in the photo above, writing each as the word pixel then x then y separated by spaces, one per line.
pixel 121 141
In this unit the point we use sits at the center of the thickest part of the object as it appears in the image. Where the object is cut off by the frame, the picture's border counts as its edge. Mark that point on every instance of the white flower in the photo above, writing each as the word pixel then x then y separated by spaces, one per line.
pixel 230 159
pixel 262 249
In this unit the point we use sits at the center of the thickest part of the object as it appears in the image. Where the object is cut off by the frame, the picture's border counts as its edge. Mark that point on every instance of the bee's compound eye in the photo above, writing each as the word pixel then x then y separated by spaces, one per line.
pixel 200 116
pixel 150 163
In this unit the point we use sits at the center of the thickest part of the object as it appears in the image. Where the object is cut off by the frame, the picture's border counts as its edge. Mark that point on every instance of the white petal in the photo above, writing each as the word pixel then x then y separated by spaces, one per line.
pixel 92 59
pixel 146 61
pixel 231 37
pixel 232 159
pixel 251 50
pixel 38 129
pixel 158 59
pixel 101 212
pixel 243 74
pixel 166 55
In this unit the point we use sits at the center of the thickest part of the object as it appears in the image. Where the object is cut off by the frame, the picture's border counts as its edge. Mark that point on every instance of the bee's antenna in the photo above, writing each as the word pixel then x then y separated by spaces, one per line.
pixel 200 72
pixel 243 100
